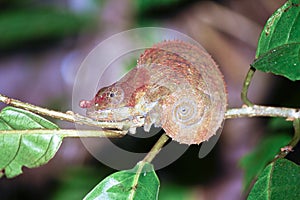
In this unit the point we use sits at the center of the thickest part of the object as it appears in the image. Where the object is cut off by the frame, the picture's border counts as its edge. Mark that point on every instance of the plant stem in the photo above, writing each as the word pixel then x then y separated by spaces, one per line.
pixel 296 137
pixel 262 111
pixel 246 111
pixel 69 132
pixel 156 148
pixel 288 148
pixel 246 85
pixel 70 116
pixel 148 159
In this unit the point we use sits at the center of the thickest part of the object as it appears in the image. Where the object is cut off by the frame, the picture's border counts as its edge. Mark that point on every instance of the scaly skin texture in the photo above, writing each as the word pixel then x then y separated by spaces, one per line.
pixel 175 85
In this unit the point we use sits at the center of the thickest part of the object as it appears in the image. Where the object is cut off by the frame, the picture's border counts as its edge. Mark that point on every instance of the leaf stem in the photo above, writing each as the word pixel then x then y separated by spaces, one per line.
pixel 69 132
pixel 246 85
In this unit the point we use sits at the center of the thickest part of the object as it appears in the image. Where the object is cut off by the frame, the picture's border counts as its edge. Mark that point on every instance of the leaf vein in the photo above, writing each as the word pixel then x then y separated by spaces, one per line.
pixel 269 184
pixel 44 154
pixel 16 154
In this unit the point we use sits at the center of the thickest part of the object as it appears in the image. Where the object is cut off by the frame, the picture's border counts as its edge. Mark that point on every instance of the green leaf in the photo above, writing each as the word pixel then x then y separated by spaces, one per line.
pixel 254 162
pixel 279 180
pixel 283 27
pixel 141 182
pixel 279 43
pixel 30 150
pixel 283 60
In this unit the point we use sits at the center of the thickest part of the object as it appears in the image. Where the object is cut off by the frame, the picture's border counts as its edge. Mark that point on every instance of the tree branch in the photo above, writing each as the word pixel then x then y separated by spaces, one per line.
pixel 263 111
pixel 245 111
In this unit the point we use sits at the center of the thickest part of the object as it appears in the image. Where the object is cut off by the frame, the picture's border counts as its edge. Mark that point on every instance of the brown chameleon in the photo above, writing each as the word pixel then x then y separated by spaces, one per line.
pixel 175 85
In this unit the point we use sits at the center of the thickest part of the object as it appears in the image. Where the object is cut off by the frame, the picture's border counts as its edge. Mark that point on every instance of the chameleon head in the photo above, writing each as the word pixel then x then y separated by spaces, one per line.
pixel 107 105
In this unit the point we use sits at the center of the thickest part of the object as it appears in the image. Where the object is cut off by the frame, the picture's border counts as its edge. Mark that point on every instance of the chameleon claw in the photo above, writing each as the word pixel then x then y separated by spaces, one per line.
pixel 132 130
pixel 147 127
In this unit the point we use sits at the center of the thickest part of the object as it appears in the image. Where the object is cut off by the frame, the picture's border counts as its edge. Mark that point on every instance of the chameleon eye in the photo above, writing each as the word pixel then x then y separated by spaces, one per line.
pixel 115 95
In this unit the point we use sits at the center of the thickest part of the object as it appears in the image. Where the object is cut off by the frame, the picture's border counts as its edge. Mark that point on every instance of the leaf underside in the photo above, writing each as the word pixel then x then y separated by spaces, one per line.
pixel 279 43
pixel 279 180
pixel 122 186
pixel 30 150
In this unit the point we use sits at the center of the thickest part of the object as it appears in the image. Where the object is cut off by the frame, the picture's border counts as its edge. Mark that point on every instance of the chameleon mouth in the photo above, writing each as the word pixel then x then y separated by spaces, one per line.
pixel 99 115
pixel 110 115
pixel 107 115
pixel 86 103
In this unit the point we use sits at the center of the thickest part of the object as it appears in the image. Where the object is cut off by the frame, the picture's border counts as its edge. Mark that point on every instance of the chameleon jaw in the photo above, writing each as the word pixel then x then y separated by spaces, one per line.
pixel 113 115
pixel 118 115
pixel 137 116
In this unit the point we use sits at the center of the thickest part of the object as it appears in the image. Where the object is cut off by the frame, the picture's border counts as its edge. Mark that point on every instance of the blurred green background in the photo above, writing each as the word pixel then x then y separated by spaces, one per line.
pixel 42 44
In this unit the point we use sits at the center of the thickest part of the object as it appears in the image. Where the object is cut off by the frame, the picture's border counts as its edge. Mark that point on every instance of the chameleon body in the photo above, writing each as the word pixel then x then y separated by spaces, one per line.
pixel 175 85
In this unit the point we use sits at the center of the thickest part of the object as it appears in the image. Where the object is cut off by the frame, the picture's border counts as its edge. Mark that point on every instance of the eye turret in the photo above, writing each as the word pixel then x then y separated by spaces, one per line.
pixel 109 97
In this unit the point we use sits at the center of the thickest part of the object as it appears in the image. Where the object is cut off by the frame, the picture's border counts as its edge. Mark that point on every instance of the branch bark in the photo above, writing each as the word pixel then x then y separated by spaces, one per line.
pixel 263 111
pixel 245 111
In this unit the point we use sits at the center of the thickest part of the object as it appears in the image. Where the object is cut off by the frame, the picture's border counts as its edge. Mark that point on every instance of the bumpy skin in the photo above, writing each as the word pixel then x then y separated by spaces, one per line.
pixel 175 85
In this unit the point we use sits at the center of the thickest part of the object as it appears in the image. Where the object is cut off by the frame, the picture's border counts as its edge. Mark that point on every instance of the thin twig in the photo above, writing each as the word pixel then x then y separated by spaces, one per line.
pixel 156 148
pixel 36 109
pixel 68 132
pixel 246 111
pixel 263 111
pixel 70 116
pixel 148 159
pixel 296 137
pixel 294 141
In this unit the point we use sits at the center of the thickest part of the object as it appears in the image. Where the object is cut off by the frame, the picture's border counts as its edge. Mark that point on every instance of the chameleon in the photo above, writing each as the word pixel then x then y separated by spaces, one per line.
pixel 175 85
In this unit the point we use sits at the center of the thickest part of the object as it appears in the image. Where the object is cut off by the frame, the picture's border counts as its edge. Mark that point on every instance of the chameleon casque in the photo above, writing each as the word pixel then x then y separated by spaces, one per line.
pixel 175 85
